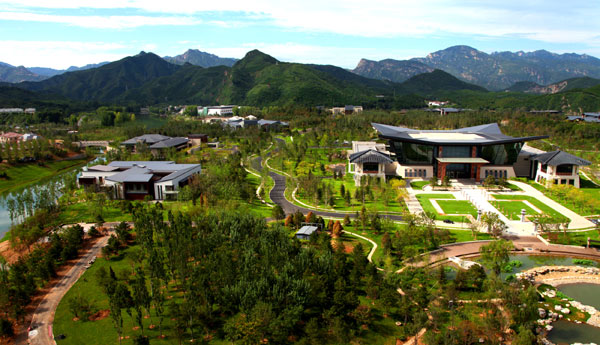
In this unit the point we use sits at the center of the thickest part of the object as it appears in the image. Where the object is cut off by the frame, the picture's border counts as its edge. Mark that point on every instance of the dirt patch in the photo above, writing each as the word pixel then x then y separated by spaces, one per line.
pixel 102 314
pixel 348 248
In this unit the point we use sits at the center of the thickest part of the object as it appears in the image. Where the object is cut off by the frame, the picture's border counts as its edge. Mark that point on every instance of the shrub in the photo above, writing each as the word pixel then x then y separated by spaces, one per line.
pixel 585 262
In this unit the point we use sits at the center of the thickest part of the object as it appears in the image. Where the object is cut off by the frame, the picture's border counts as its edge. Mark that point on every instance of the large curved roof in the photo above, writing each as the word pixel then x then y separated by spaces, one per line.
pixel 488 134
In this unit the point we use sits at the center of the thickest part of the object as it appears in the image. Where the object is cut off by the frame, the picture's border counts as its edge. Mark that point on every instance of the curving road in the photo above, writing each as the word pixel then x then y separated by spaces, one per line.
pixel 43 317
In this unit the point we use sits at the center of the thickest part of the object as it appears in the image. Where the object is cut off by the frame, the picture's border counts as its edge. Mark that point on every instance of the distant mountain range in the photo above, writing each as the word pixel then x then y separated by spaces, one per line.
pixel 257 79
pixel 12 74
pixel 202 59
pixel 561 86
pixel 495 71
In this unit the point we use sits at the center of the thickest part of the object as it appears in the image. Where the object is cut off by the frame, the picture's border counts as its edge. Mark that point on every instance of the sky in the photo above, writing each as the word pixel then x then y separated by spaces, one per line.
pixel 63 33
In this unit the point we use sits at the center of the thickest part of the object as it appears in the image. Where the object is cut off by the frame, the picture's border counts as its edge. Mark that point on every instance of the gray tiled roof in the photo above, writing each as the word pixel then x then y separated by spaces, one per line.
pixel 146 138
pixel 103 168
pixel 171 142
pixel 555 158
pixel 370 156
pixel 307 230
pixel 135 174
pixel 488 134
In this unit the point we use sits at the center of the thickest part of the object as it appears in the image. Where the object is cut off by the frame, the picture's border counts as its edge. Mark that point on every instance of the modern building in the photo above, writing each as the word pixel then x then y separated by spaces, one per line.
pixel 156 143
pixel 10 137
pixel 347 109
pixel 585 117
pixel 556 167
pixel 219 110
pixel 197 139
pixel 272 124
pixel 306 231
pixel 368 158
pixel 472 152
pixel 134 180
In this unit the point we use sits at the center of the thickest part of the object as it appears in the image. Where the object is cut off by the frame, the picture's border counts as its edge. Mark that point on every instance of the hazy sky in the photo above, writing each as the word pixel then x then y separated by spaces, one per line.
pixel 61 33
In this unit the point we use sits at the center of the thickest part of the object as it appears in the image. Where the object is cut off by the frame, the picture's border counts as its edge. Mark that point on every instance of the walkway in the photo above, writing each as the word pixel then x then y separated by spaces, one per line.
pixel 577 221
pixel 43 317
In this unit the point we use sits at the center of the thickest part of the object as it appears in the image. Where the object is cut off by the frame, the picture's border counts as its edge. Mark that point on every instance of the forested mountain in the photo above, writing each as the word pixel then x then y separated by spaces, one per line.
pixel 389 69
pixel 565 85
pixel 106 83
pixel 199 58
pixel 495 71
pixel 258 79
pixel 12 74
pixel 51 72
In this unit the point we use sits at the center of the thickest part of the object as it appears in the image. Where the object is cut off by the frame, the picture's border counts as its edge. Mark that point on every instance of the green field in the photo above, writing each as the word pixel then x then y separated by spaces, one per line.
pixel 425 201
pixel 512 209
pixel 23 174
pixel 83 213
pixel 419 184
pixel 534 201
pixel 458 207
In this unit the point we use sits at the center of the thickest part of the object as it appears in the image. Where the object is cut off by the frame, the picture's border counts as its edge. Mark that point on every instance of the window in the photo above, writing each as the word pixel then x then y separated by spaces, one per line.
pixel 564 169
pixel 370 167
pixel 456 151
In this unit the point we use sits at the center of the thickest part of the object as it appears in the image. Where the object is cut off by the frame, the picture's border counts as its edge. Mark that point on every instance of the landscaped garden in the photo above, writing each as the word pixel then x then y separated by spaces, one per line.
pixel 454 210
pixel 512 208
pixel 419 184
pixel 534 201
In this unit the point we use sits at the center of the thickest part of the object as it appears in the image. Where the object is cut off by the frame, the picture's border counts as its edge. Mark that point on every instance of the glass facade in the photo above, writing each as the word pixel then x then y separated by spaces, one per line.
pixel 505 154
pixel 456 151
pixel 409 153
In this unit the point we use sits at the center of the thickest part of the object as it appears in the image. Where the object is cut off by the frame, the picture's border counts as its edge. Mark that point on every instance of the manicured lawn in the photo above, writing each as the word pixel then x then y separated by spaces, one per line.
pixel 458 207
pixel 574 238
pixel 467 235
pixel 82 212
pixel 340 203
pixel 425 201
pixel 23 174
pixel 513 187
pixel 419 184
pixel 102 331
pixel 535 202
pixel 512 209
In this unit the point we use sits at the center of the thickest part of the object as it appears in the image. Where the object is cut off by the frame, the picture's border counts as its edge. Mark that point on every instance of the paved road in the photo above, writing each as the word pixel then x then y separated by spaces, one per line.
pixel 43 317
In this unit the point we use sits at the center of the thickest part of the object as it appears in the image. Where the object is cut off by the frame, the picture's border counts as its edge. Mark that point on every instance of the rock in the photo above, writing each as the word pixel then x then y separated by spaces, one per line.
pixel 549 328
pixel 557 307
pixel 542 312
pixel 566 311
pixel 551 293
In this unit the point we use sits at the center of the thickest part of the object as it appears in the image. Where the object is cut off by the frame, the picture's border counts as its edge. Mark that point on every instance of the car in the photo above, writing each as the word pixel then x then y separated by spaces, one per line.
pixel 60 337
pixel 448 221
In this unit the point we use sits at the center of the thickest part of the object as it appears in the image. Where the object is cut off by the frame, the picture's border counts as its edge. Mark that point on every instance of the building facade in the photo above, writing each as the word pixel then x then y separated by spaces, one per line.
pixel 135 180
pixel 469 153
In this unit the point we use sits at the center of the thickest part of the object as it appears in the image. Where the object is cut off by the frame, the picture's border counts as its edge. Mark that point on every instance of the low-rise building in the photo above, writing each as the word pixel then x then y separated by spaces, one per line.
pixel 156 143
pixel 10 137
pixel 219 110
pixel 306 232
pixel 134 180
pixel 271 124
pixel 557 167
pixel 368 158
pixel 585 117
pixel 197 139
pixel 347 109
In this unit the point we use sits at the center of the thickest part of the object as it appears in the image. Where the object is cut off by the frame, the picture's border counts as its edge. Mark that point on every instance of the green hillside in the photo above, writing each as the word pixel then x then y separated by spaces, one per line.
pixel 430 84
pixel 106 83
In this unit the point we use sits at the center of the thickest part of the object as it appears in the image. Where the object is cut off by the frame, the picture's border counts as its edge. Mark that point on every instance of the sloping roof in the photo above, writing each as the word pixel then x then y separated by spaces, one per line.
pixel 145 164
pixel 135 174
pixel 103 168
pixel 307 230
pixel 179 172
pixel 369 156
pixel 555 158
pixel 146 138
pixel 12 135
pixel 489 134
pixel 171 142
pixel 263 122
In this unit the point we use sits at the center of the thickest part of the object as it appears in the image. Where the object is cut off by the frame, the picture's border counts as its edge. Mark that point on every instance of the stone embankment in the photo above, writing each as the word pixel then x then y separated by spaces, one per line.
pixel 559 275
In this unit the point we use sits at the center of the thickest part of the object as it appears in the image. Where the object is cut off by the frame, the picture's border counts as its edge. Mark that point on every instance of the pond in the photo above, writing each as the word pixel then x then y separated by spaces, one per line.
pixel 565 333
pixel 588 294
pixel 5 221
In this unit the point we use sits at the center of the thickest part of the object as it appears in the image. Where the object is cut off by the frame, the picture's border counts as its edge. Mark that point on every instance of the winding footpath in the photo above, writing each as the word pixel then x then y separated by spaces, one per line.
pixel 43 317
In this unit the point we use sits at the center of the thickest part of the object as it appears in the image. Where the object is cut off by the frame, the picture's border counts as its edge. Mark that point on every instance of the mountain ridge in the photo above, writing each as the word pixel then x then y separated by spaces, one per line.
pixel 497 70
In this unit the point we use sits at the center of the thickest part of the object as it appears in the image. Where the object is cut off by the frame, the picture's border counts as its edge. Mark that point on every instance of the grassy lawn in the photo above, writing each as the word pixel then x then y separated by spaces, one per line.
pixel 82 212
pixel 467 235
pixel 458 207
pixel 419 184
pixel 535 202
pixel 425 201
pixel 573 238
pixel 340 203
pixel 512 209
pixel 23 174
pixel 513 187
pixel 102 331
